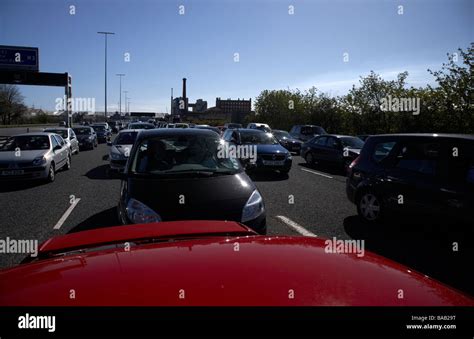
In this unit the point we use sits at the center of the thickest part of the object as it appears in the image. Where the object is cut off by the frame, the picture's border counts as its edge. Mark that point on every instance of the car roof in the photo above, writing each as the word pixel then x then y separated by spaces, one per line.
pixel 57 128
pixel 426 135
pixel 209 270
pixel 149 133
pixel 253 130
pixel 34 134
pixel 130 130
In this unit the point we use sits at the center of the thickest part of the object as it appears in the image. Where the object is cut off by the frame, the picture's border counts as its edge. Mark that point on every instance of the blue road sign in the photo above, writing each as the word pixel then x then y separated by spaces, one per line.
pixel 19 58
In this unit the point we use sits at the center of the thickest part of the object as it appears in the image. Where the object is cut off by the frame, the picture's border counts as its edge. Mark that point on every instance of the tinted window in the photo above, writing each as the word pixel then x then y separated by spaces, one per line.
pixel 311 130
pixel 382 150
pixel 178 153
pixel 419 157
pixel 61 132
pixel 320 141
pixel 54 142
pixel 60 140
pixel 281 134
pixel 82 130
pixel 257 137
pixel 351 142
pixel 126 138
pixel 333 142
pixel 25 143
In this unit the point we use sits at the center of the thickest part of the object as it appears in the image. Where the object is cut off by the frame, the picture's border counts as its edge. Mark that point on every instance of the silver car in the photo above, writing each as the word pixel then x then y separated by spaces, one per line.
pixel 33 156
pixel 68 135
pixel 121 147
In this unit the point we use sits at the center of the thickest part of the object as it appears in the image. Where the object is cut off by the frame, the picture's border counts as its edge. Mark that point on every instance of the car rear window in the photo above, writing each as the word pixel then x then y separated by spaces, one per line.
pixel 382 150
pixel 419 157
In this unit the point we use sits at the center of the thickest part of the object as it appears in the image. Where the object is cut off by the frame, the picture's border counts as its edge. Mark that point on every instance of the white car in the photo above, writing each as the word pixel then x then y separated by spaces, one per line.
pixel 260 126
pixel 68 135
pixel 120 148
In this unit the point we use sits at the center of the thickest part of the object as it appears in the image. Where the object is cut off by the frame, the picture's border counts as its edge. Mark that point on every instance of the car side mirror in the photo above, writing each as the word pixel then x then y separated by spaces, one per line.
pixel 57 147
pixel 109 143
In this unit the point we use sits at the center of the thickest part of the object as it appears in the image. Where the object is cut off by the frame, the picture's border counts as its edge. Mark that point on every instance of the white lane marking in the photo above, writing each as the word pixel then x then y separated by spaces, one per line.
pixel 314 172
pixel 295 226
pixel 66 214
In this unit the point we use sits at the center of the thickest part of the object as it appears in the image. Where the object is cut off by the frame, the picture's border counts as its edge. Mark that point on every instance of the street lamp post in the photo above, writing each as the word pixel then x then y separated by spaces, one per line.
pixel 125 96
pixel 120 100
pixel 106 34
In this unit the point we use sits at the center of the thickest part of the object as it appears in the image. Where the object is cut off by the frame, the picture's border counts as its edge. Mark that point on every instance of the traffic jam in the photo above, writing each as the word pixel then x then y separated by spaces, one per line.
pixel 171 177
pixel 198 161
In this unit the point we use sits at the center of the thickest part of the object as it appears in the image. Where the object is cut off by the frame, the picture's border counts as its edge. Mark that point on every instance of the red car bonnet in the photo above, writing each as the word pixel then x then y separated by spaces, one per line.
pixel 213 263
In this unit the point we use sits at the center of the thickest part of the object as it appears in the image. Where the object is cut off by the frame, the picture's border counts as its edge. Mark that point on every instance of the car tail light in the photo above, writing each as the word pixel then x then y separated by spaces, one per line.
pixel 354 162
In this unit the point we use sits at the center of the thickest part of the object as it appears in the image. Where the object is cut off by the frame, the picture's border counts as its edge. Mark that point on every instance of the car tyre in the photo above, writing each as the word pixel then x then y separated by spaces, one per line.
pixel 309 158
pixel 51 173
pixel 370 207
pixel 68 163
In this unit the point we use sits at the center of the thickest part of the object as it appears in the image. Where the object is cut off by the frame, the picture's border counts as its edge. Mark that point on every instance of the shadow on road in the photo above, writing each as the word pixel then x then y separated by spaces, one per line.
pixel 424 245
pixel 100 173
pixel 105 218
pixel 267 176
pixel 324 168
pixel 19 186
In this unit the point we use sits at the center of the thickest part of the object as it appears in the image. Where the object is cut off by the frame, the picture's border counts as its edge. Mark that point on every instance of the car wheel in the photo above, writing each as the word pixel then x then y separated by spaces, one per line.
pixel 68 163
pixel 309 158
pixel 370 207
pixel 51 173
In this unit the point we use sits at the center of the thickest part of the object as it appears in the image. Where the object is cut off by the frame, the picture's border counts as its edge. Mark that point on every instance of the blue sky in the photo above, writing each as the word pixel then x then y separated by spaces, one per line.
pixel 276 50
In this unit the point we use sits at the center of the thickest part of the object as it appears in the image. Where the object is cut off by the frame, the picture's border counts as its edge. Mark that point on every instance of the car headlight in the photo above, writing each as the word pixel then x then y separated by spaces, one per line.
pixel 139 213
pixel 254 207
pixel 38 161
pixel 115 156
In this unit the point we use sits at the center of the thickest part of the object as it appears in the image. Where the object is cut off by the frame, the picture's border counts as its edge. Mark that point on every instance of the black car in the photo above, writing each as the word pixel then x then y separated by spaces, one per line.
pixel 332 149
pixel 103 134
pixel 269 154
pixel 306 132
pixel 86 137
pixel 416 173
pixel 287 141
pixel 178 174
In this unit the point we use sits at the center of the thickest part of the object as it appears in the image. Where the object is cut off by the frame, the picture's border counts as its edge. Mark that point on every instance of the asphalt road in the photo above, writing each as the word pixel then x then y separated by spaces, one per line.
pixel 311 198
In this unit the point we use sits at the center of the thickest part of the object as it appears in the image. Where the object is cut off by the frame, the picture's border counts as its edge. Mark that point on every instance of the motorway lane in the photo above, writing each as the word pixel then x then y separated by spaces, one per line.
pixel 320 206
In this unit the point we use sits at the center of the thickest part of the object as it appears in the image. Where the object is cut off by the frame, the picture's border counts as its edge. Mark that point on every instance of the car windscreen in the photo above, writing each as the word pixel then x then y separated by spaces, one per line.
pixel 172 154
pixel 99 128
pixel 234 126
pixel 61 132
pixel 257 138
pixel 126 138
pixel 82 131
pixel 352 142
pixel 281 134
pixel 311 130
pixel 25 143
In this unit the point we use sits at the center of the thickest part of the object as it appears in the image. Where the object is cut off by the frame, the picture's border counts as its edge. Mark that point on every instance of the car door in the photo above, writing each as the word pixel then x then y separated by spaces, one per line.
pixel 56 152
pixel 412 175
pixel 62 153
pixel 456 191
pixel 318 148
pixel 73 140
pixel 334 150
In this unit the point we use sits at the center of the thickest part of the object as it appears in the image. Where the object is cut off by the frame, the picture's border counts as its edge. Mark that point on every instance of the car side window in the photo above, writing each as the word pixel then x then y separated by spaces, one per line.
pixel 60 140
pixel 419 157
pixel 321 141
pixel 333 143
pixel 73 135
pixel 227 135
pixel 54 142
pixel 382 150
